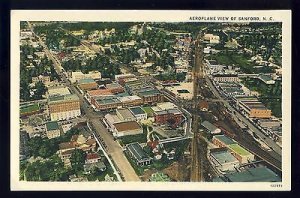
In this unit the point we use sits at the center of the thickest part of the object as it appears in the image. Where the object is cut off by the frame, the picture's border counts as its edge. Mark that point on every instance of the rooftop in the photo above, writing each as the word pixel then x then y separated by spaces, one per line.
pixel 137 110
pixel 107 100
pixel 259 174
pixel 240 150
pixel 127 126
pixel 159 177
pixel 58 99
pixel 125 113
pixel 223 155
pixel 225 139
pixel 210 126
pixel 99 92
pixel 149 92
pixel 86 81
pixel 129 98
pixel 166 105
pixel 52 126
pixel 137 151
pixel 58 90
pixel 148 110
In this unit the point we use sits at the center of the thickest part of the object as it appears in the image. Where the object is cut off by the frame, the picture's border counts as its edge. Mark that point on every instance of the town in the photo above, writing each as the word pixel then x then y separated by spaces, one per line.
pixel 166 102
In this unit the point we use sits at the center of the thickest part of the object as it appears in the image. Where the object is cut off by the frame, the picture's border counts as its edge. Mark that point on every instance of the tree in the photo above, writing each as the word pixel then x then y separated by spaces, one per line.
pixel 77 160
pixel 40 90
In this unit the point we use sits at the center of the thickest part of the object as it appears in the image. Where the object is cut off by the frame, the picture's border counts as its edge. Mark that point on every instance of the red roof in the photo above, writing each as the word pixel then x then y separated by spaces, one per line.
pixel 90 156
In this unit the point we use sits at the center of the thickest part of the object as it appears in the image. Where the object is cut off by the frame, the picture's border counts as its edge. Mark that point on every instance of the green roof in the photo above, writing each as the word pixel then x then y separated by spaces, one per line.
pixel 238 149
pixel 29 108
pixel 226 140
pixel 52 126
pixel 149 92
pixel 148 110
pixel 259 174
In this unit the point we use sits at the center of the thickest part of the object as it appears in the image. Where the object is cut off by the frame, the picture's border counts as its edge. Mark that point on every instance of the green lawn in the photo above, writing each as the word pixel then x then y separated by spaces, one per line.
pixel 29 108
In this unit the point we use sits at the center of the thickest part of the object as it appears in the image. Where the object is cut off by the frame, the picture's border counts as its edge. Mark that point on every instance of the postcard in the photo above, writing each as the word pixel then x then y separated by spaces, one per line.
pixel 151 100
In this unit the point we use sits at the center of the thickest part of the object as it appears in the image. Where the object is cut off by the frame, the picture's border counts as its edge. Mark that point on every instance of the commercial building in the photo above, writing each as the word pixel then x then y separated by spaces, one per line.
pixel 58 91
pixel 210 128
pixel 223 160
pixel 97 93
pixel 129 101
pixel 172 117
pixel 125 114
pixel 127 128
pixel 240 153
pixel 252 107
pixel 222 141
pixel 258 174
pixel 150 96
pixel 136 151
pixel 105 103
pixel 268 123
pixel 52 129
pixel 226 78
pixel 111 119
pixel 64 107
pixel 138 113
pixel 76 76
pixel 86 84
pixel 213 39
pixel 115 88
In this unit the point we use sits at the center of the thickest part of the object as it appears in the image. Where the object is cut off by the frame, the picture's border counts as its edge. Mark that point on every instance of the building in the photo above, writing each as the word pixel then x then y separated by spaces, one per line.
pixel 172 117
pixel 222 141
pixel 138 113
pixel 86 84
pixel 92 158
pixel 166 105
pixel 98 93
pixel 127 128
pixel 76 76
pixel 106 103
pixel 52 129
pixel 226 78
pixel 129 101
pixel 151 96
pixel 258 174
pixel 136 151
pixel 210 127
pixel 64 107
pixel 115 88
pixel 223 160
pixel 110 119
pixel 240 153
pixel 29 109
pixel 125 114
pixel 252 107
pixel 268 123
pixel 89 167
pixel 58 91
pixel 159 177
pixel 267 79
pixel 23 149
pixel 41 78
pixel 121 76
pixel 203 105
pixel 213 39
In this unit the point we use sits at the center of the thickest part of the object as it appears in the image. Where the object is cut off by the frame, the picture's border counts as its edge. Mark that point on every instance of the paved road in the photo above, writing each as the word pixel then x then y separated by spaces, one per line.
pixel 276 148
pixel 113 148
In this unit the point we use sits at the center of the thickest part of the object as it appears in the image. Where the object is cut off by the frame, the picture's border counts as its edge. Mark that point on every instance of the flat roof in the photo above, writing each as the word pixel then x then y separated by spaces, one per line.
pixel 209 126
pixel 258 174
pixel 148 110
pixel 52 126
pixel 137 110
pixel 127 126
pixel 126 113
pixel 58 90
pixel 99 92
pixel 166 105
pixel 107 100
pixel 137 151
pixel 149 92
pixel 64 98
pixel 113 85
pixel 223 156
pixel 226 140
pixel 86 81
pixel 129 98
pixel 240 150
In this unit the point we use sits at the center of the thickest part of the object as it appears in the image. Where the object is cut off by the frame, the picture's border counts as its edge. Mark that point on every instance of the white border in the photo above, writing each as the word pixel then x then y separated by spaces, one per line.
pixel 283 16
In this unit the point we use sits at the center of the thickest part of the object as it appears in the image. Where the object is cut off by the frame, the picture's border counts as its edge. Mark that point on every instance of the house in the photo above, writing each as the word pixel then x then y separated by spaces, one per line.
pixel 92 166
pixel 127 128
pixel 52 129
pixel 92 158
pixel 138 113
pixel 136 151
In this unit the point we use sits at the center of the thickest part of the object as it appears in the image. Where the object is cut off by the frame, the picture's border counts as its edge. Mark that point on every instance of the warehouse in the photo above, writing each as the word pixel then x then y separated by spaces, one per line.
pixel 127 128
pixel 223 160
pixel 241 154
pixel 136 151
pixel 210 128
